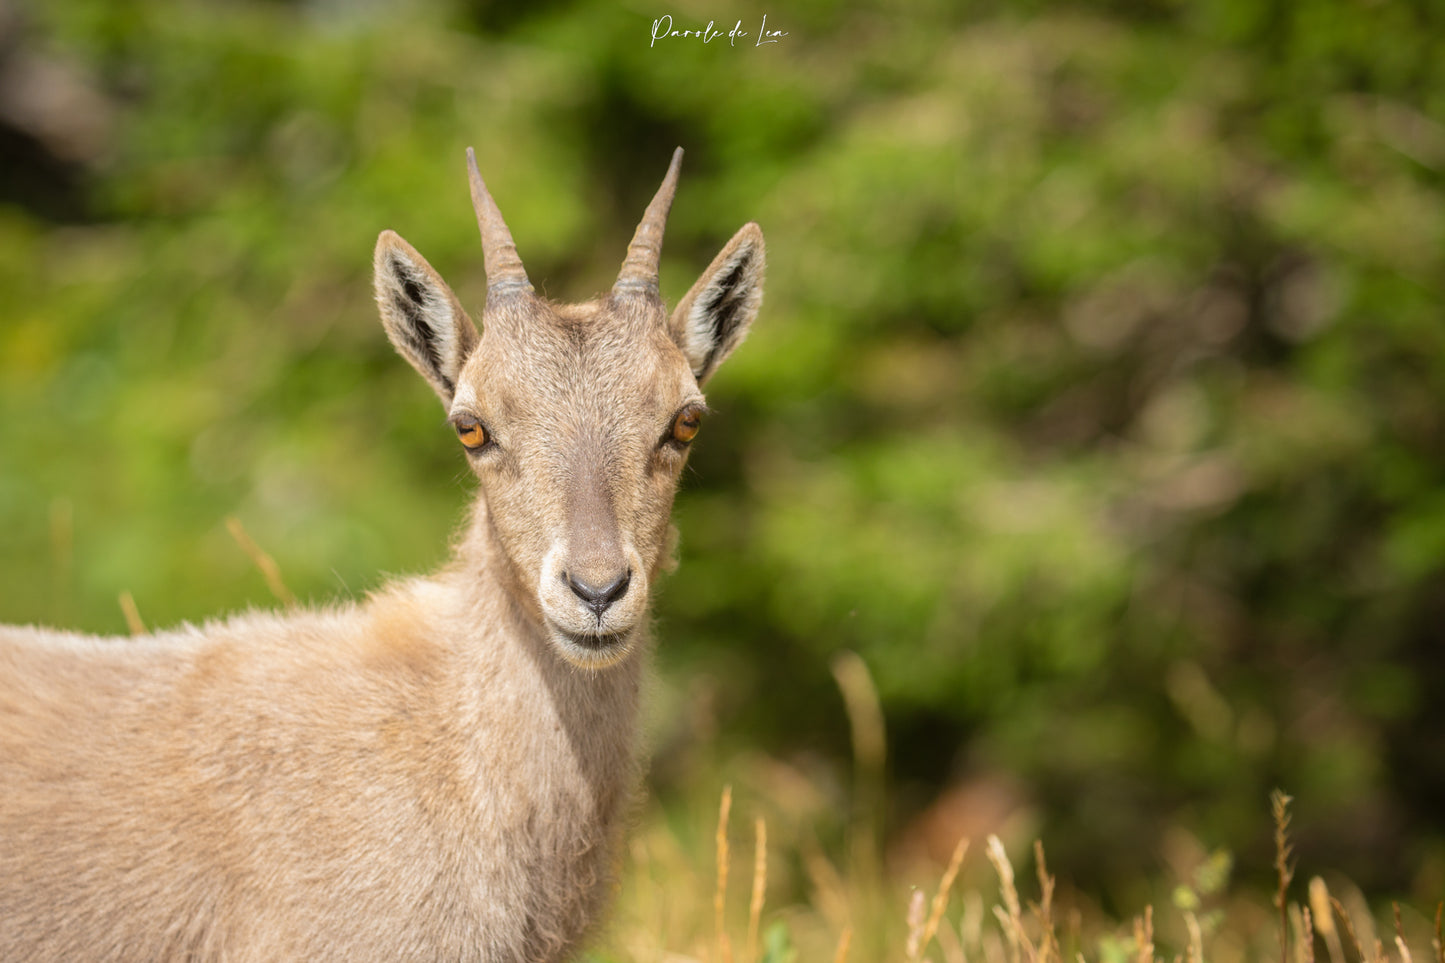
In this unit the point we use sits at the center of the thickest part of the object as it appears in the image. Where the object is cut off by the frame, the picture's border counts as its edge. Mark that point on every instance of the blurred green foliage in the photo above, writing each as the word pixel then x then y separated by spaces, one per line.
pixel 1097 401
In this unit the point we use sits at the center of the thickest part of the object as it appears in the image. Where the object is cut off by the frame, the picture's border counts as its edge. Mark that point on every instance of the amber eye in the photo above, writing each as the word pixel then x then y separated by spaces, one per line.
pixel 472 434
pixel 684 429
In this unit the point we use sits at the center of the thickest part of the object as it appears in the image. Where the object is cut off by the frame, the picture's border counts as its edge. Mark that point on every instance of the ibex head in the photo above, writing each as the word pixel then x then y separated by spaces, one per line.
pixel 576 418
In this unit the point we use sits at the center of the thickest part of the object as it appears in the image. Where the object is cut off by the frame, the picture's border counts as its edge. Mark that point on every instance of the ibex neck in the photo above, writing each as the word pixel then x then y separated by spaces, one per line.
pixel 576 722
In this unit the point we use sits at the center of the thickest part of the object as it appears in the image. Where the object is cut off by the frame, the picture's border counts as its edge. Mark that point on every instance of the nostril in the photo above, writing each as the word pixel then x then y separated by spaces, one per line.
pixel 599 599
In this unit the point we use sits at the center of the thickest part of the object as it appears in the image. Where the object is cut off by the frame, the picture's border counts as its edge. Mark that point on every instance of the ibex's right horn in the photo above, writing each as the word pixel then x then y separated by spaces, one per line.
pixel 499 253
pixel 639 270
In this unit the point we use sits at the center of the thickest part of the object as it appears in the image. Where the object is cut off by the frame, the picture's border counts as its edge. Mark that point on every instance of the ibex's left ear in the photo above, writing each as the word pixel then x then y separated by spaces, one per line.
pixel 422 317
pixel 713 317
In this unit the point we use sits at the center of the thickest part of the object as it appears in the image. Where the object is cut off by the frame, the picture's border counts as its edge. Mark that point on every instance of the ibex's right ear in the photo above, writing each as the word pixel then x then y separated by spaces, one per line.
pixel 422 317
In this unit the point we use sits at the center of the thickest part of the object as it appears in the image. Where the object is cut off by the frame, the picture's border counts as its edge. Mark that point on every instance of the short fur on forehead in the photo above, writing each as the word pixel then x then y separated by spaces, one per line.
pixel 600 351
pixel 422 317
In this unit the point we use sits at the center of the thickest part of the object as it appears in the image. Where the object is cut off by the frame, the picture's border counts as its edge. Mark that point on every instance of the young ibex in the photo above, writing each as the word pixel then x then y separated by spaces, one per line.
pixel 441 771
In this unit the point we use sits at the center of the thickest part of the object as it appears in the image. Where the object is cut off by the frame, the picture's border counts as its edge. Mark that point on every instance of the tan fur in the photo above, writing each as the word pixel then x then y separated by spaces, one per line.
pixel 437 773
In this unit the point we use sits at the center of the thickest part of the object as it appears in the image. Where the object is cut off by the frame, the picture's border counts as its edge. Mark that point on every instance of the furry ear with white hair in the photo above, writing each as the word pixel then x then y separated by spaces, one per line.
pixel 713 317
pixel 421 315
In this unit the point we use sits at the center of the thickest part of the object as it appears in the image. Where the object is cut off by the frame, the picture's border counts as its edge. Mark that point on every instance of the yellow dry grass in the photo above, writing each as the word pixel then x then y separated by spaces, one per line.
pixel 869 910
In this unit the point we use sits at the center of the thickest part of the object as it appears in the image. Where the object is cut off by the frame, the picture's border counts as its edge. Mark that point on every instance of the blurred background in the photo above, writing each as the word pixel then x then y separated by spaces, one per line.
pixel 1097 402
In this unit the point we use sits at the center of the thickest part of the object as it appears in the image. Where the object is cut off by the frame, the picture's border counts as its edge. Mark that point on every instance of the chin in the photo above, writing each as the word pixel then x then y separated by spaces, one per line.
pixel 590 650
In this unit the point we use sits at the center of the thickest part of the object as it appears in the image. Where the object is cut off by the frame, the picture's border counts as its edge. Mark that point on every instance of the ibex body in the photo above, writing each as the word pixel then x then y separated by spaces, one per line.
pixel 441 771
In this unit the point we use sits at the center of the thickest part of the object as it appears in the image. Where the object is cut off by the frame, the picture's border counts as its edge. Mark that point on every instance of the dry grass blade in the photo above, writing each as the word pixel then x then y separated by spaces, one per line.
pixel 1279 805
pixel 1400 936
pixel 1048 939
pixel 970 925
pixel 133 621
pixel 914 948
pixel 1309 935
pixel 760 886
pixel 865 715
pixel 1349 928
pixel 991 946
pixel 865 722
pixel 1144 936
pixel 1010 914
pixel 1297 932
pixel 1439 937
pixel 845 939
pixel 1194 952
pixel 940 899
pixel 1324 918
pixel 1009 930
pixel 951 945
pixel 999 857
pixel 724 949
pixel 269 569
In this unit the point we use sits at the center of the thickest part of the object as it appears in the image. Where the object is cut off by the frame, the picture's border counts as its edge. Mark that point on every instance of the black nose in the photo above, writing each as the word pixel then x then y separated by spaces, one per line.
pixel 599 599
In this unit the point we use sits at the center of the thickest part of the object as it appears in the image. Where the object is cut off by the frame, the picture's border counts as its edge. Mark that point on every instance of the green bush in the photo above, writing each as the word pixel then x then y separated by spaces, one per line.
pixel 1096 400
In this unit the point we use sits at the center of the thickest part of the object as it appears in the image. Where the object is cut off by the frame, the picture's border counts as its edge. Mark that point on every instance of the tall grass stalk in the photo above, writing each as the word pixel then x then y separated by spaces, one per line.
pixel 760 886
pixel 866 726
pixel 724 948
pixel 270 571
pixel 1279 805
pixel 128 608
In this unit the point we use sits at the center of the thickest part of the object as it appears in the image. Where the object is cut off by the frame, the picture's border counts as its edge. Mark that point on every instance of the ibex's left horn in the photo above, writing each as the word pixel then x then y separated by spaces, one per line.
pixel 499 254
pixel 639 270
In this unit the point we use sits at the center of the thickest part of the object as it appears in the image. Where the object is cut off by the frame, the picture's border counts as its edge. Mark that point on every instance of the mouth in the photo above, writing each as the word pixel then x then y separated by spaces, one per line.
pixel 591 650
pixel 594 642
